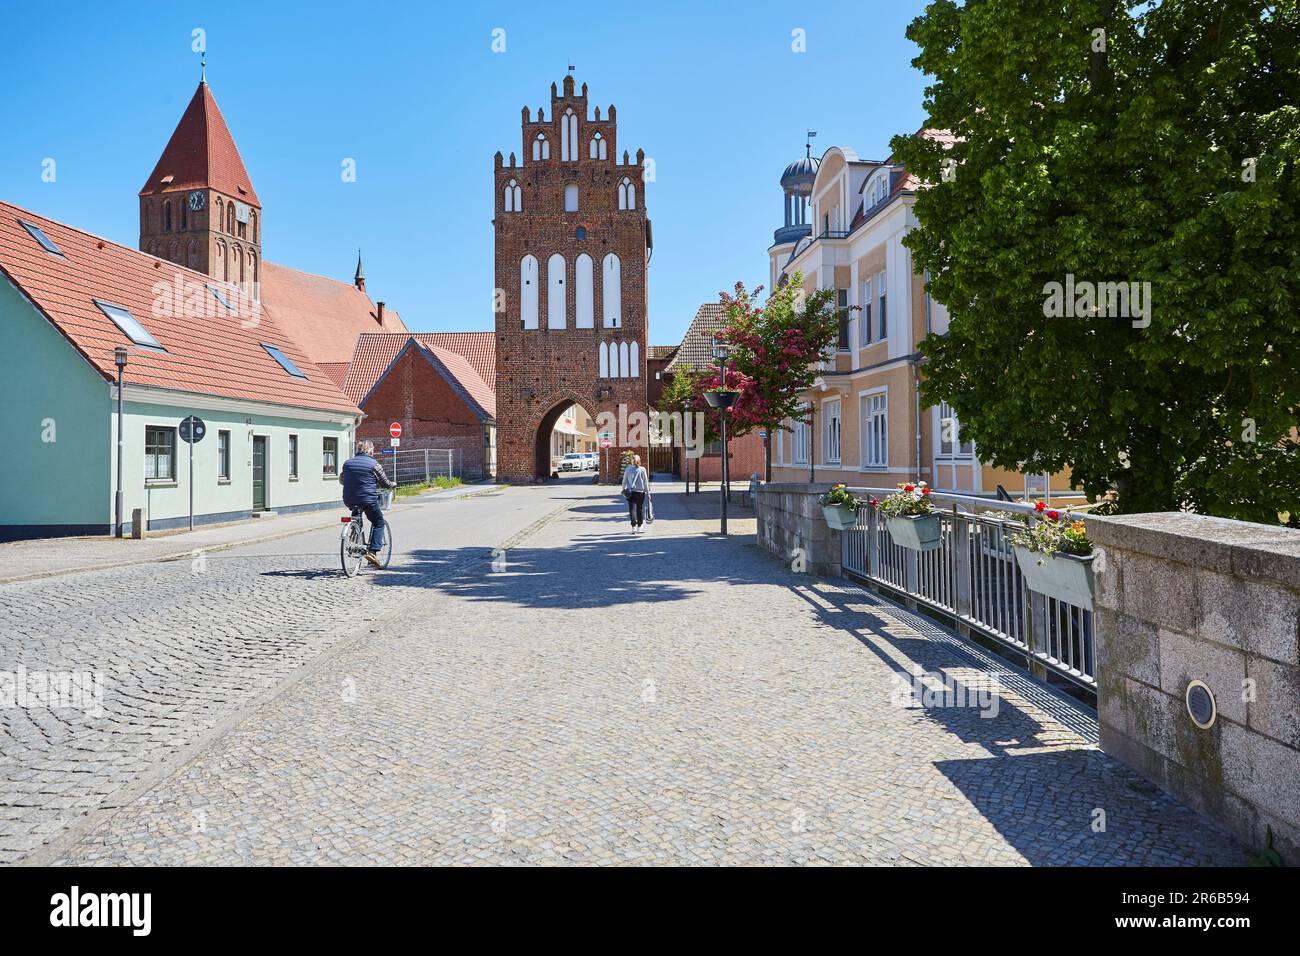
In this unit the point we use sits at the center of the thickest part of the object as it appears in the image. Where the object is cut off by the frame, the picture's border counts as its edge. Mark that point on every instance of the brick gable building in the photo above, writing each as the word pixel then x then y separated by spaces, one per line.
pixel 572 246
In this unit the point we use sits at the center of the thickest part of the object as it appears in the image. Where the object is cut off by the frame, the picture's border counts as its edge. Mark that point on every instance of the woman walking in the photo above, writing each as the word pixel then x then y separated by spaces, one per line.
pixel 636 489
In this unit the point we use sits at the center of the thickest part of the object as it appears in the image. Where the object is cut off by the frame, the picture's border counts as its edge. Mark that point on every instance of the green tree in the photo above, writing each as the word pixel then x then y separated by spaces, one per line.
pixel 1153 144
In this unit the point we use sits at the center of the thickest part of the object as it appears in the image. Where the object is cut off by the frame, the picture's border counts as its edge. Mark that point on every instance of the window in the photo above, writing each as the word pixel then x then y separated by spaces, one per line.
pixel 864 316
pixel 293 456
pixel 583 293
pixel 557 303
pixel 42 238
pixel 571 198
pixel 626 194
pixel 514 197
pixel 569 136
pixel 831 431
pixel 611 290
pixel 125 321
pixel 284 361
pixel 528 292
pixel 883 315
pixel 220 297
pixel 223 456
pixel 167 216
pixel 598 147
pixel 875 430
pixel 330 456
pixel 541 147
pixel 950 443
pixel 842 304
pixel 159 453
pixel 800 434
pixel 604 360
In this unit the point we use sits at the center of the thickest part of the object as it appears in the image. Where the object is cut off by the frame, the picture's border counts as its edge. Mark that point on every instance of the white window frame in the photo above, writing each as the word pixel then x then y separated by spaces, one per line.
pixel 800 433
pixel 873 407
pixel 827 445
pixel 882 307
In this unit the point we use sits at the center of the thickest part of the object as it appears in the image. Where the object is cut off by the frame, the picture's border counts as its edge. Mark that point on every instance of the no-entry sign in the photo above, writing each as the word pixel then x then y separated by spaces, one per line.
pixel 395 429
pixel 604 443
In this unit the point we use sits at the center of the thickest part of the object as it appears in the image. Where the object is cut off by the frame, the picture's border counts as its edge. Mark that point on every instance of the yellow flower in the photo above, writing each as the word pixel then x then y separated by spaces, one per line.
pixel 1077 527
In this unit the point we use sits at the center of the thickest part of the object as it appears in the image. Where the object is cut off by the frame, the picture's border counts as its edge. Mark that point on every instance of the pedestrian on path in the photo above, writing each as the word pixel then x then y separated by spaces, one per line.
pixel 636 489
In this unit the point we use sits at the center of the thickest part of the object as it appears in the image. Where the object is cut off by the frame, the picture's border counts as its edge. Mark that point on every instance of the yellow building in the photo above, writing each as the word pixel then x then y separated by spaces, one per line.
pixel 845 222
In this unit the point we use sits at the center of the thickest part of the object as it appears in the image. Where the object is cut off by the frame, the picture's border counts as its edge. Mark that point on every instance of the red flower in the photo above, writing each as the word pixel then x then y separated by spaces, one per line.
pixel 875 502
pixel 1053 514
pixel 925 491
pixel 1039 506
pixel 909 487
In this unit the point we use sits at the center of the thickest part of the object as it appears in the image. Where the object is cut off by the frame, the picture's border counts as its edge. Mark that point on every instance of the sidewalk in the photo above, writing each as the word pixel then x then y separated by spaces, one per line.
pixel 40 558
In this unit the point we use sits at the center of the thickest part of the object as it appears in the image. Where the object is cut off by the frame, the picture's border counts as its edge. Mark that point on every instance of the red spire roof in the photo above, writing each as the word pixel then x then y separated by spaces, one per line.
pixel 201 153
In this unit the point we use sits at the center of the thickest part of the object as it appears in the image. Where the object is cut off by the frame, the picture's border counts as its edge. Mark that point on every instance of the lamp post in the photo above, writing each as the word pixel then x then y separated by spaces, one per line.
pixel 119 358
pixel 721 352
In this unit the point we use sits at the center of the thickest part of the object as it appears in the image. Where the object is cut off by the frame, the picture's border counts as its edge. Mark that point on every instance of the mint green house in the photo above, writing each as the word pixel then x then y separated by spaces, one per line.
pixel 277 427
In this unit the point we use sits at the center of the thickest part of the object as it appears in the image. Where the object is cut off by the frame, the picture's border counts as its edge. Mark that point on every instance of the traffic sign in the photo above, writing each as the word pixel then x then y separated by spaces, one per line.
pixel 604 443
pixel 395 442
pixel 192 429
pixel 608 436
pixel 762 434
pixel 395 429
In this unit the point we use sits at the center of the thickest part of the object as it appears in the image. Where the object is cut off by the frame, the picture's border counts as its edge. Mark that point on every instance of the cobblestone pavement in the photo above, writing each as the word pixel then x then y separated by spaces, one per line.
pixel 593 697
pixel 183 645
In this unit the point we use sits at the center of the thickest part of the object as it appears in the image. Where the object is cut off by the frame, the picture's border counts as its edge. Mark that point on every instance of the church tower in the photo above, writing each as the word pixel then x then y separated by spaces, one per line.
pixel 572 246
pixel 198 207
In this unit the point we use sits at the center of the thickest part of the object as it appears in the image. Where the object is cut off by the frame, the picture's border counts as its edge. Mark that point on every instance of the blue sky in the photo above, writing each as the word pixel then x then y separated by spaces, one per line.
pixel 413 92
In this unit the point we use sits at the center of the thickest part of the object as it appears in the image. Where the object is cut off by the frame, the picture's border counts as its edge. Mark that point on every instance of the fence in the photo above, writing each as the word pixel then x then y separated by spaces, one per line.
pixel 973 579
pixel 413 466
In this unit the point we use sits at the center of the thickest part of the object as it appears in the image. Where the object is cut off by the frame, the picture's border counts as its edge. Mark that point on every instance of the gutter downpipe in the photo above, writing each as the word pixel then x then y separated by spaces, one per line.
pixel 916 391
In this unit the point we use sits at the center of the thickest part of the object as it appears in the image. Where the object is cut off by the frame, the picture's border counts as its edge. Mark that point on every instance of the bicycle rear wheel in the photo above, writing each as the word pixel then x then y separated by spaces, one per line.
pixel 386 552
pixel 352 548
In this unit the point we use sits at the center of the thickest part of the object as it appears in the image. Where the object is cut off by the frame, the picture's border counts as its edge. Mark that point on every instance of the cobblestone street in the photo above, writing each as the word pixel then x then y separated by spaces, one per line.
pixel 529 683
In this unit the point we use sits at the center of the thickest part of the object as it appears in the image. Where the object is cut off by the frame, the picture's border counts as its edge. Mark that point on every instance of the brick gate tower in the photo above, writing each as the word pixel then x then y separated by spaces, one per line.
pixel 572 246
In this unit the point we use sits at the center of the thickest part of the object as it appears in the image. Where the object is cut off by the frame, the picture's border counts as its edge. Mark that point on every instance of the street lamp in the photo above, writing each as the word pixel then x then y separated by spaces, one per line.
pixel 119 358
pixel 721 352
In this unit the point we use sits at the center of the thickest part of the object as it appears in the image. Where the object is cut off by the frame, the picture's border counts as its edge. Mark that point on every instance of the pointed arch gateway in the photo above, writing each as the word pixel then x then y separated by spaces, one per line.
pixel 544 425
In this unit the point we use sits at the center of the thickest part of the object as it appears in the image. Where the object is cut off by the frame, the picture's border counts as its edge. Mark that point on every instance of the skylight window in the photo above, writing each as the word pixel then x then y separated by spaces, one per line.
pixel 284 361
pixel 42 238
pixel 132 329
pixel 221 298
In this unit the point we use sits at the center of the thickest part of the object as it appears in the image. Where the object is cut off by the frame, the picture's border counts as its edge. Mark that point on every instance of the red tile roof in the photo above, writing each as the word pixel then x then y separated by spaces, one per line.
pixel 696 350
pixel 337 371
pixel 375 352
pixel 325 316
pixel 465 377
pixel 202 152
pixel 213 352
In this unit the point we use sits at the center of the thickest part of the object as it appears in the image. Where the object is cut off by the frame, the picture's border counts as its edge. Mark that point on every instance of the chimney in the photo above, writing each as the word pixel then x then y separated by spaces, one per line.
pixel 380 316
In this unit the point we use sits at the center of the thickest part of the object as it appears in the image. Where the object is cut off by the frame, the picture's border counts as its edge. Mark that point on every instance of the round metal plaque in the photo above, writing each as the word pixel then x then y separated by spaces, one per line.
pixel 1200 705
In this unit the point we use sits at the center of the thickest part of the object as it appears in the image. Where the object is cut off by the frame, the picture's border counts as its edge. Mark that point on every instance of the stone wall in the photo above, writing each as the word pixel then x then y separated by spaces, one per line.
pixel 1184 597
pixel 790 522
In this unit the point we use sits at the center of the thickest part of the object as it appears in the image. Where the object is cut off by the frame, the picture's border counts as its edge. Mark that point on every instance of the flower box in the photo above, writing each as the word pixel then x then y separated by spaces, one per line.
pixel 719 398
pixel 1066 577
pixel 841 517
pixel 916 532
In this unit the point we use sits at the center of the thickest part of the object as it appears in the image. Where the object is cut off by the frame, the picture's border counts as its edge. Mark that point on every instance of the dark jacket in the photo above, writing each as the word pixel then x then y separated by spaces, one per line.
pixel 362 477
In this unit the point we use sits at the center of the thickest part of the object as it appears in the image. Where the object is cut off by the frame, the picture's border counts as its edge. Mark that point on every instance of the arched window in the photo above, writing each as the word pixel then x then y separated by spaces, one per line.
pixel 598 148
pixel 528 292
pixel 541 147
pixel 557 303
pixel 192 255
pixel 243 270
pixel 185 218
pixel 174 251
pixel 604 360
pixel 622 360
pixel 583 293
pixel 230 219
pixel 611 293
pixel 571 197
pixel 514 197
pixel 252 225
pixel 634 357
pixel 223 265
pixel 167 216
pixel 626 194
pixel 569 136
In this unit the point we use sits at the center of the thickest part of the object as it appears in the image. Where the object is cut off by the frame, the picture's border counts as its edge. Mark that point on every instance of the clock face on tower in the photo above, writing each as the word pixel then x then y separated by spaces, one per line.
pixel 197 200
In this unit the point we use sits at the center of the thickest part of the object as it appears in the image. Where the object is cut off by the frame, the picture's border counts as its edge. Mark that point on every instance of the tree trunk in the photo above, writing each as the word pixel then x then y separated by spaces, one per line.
pixel 767 458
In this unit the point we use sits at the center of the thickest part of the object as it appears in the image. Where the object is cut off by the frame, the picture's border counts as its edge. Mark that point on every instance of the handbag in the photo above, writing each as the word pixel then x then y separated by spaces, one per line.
pixel 649 510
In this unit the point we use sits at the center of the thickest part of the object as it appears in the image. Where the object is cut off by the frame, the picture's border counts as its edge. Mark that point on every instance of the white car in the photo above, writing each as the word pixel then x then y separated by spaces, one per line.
pixel 573 461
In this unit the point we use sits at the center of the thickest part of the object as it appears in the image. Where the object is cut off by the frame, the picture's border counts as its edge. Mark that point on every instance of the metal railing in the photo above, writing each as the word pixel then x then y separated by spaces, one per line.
pixel 413 466
pixel 973 579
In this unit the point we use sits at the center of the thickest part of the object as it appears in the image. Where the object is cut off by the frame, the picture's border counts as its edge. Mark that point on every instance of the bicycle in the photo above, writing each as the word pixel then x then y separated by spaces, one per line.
pixel 354 539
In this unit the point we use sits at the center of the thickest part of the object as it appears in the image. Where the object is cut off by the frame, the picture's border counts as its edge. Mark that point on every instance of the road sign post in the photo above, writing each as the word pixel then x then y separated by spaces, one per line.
pixel 192 431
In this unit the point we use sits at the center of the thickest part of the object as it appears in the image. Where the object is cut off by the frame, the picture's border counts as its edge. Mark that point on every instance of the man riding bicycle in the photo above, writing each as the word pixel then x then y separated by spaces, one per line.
pixel 362 477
